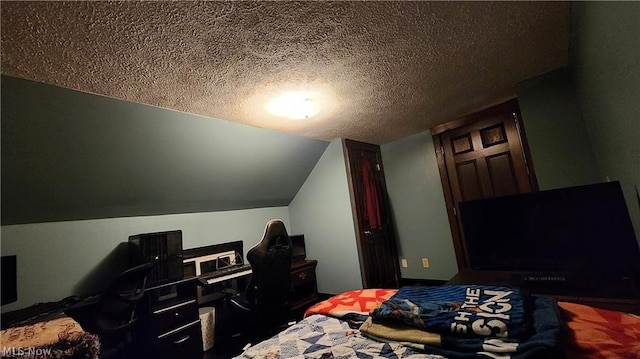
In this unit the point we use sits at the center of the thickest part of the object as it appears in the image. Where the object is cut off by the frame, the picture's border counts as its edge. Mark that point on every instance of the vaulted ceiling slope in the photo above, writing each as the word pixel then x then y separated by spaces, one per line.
pixel 391 69
pixel 69 155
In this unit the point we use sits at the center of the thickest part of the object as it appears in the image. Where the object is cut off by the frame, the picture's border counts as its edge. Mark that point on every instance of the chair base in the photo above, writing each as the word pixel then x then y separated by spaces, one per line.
pixel 254 326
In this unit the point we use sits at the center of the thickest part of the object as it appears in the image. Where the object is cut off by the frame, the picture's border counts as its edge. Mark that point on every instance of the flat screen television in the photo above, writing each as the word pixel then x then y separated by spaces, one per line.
pixel 584 229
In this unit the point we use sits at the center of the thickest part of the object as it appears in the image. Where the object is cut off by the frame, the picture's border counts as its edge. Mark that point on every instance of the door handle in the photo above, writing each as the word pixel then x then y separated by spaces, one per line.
pixel 367 233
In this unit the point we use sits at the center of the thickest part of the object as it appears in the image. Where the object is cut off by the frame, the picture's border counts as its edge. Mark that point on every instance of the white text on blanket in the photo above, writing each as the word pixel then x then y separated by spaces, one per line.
pixel 486 318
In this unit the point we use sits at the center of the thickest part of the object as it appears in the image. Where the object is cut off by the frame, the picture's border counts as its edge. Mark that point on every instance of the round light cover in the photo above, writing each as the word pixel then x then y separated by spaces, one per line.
pixel 297 105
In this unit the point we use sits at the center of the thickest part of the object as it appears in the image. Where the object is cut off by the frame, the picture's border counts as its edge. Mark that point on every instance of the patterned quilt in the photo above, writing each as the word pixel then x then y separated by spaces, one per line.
pixel 320 336
pixel 328 332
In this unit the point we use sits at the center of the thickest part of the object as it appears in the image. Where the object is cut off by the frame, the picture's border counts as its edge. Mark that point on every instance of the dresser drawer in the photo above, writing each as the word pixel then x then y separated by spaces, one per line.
pixel 183 342
pixel 174 316
pixel 303 275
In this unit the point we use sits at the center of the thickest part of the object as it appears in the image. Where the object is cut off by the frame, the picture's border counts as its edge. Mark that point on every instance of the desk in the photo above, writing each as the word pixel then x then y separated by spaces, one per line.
pixel 303 282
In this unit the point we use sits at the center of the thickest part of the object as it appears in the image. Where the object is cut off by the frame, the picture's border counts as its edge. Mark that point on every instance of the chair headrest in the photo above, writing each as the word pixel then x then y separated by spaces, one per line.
pixel 275 239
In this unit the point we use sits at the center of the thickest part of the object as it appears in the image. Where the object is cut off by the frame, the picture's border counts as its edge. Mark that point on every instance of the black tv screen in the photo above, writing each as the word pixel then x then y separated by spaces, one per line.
pixel 584 228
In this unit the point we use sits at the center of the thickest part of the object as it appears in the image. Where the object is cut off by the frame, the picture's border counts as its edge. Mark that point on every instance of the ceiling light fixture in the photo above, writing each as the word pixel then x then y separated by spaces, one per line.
pixel 297 105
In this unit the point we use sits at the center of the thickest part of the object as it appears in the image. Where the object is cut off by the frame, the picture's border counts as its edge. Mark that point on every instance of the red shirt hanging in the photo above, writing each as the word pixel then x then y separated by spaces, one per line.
pixel 372 211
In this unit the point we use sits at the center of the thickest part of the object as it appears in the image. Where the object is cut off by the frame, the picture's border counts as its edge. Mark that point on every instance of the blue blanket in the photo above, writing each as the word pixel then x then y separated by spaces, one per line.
pixel 530 326
pixel 544 341
pixel 460 310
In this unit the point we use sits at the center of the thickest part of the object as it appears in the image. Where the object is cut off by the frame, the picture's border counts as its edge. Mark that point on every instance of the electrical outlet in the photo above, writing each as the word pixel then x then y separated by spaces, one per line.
pixel 425 262
pixel 404 263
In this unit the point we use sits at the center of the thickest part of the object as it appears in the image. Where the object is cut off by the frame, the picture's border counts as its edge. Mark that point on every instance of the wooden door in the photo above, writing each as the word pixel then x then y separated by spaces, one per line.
pixel 375 238
pixel 481 156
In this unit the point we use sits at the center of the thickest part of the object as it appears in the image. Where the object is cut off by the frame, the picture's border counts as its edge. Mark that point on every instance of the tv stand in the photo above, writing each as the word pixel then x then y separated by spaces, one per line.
pixel 621 296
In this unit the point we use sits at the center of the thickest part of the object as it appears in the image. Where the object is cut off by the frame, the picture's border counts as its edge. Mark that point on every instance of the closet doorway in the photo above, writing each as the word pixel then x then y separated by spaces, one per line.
pixel 482 155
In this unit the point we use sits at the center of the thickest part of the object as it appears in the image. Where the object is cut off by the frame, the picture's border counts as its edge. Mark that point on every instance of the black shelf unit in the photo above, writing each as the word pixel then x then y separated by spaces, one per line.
pixel 170 322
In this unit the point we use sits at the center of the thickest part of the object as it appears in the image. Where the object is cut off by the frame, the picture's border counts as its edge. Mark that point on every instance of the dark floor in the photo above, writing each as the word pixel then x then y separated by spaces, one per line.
pixel 223 351
pixel 225 348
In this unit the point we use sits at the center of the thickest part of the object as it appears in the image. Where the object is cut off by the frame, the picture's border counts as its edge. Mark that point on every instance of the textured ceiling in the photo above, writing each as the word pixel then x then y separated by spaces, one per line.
pixel 384 69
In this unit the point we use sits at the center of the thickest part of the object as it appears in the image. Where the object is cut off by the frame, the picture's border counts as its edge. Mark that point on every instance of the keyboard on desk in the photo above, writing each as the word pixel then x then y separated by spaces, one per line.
pixel 226 274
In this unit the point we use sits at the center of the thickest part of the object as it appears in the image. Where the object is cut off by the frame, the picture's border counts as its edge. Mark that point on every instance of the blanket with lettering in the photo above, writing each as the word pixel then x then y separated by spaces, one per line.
pixel 461 310
pixel 542 343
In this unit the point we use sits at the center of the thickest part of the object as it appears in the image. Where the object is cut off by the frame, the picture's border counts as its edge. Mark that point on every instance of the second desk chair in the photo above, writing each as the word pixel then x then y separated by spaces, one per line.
pixel 266 298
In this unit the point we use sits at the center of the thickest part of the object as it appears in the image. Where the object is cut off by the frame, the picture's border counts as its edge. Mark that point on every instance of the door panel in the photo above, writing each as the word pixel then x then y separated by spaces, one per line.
pixel 374 235
pixel 501 175
pixel 469 180
pixel 480 156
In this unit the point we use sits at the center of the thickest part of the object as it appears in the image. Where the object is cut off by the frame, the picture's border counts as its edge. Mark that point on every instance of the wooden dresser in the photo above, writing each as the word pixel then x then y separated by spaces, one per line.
pixel 305 286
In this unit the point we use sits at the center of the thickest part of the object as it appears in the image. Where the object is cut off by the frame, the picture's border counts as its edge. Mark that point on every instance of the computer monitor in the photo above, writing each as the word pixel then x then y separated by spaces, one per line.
pixel 9 279
pixel 299 250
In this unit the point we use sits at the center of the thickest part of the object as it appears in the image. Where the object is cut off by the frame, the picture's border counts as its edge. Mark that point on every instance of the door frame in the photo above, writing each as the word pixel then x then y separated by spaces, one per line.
pixel 510 105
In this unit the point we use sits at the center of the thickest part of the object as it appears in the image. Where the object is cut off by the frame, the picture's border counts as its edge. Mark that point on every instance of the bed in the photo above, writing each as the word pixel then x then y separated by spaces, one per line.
pixel 344 326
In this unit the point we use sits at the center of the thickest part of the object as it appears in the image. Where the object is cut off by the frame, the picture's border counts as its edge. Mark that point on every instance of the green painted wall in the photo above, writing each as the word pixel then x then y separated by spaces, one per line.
pixel 69 155
pixel 322 212
pixel 58 259
pixel 560 147
pixel 605 56
pixel 418 207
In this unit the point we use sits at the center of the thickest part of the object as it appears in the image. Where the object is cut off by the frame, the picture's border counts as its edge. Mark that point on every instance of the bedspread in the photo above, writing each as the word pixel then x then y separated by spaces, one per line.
pixel 361 301
pixel 56 338
pixel 591 333
pixel 596 333
pixel 320 336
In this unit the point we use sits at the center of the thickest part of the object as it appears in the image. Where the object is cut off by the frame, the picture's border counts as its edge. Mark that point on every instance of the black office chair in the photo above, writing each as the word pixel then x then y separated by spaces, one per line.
pixel 113 317
pixel 265 301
